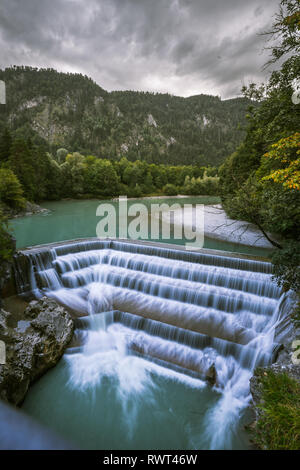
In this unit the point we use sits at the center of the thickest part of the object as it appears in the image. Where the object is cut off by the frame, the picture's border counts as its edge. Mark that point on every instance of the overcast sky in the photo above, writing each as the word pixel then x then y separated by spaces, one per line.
pixel 184 47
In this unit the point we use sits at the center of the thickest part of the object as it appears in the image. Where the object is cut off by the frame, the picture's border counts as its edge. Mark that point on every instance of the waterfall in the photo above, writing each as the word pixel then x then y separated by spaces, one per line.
pixel 203 317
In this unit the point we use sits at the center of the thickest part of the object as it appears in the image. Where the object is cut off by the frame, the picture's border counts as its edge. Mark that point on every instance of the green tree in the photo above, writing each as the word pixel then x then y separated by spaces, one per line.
pixel 170 190
pixel 148 186
pixel 285 30
pixel 73 174
pixel 286 266
pixel 260 182
pixel 101 178
pixel 61 155
pixel 6 241
pixel 11 192
pixel 21 163
pixel 5 145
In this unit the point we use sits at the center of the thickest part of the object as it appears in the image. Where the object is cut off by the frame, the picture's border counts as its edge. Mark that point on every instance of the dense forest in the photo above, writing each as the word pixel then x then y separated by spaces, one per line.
pixel 71 111
pixel 27 171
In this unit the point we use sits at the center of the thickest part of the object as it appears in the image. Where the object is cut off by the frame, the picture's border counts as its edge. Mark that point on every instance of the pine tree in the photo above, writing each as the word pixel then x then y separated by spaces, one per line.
pixel 5 145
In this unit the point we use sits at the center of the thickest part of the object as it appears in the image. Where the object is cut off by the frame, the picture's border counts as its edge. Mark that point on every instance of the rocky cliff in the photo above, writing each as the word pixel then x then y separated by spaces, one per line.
pixel 33 347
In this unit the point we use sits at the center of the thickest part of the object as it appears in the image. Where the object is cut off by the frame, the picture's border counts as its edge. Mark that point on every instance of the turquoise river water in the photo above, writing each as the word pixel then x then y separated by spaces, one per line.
pixel 153 322
pixel 77 219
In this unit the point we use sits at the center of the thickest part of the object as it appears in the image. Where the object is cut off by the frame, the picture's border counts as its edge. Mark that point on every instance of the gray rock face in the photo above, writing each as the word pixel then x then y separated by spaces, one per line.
pixel 29 209
pixel 31 353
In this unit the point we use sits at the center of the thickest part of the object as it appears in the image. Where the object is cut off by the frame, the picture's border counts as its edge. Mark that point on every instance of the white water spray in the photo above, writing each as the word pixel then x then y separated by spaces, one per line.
pixel 184 315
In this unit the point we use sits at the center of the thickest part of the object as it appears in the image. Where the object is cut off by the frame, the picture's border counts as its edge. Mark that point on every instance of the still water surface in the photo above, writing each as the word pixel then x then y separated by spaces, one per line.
pixel 77 219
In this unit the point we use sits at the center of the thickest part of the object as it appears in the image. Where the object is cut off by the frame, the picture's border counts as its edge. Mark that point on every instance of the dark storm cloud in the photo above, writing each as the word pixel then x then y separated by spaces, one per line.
pixel 180 46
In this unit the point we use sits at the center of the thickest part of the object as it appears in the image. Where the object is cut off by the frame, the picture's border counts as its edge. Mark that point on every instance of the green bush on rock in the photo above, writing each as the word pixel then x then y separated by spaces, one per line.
pixel 278 427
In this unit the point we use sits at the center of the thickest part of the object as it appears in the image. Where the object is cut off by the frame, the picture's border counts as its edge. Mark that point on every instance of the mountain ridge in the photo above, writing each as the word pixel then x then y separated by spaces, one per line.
pixel 72 111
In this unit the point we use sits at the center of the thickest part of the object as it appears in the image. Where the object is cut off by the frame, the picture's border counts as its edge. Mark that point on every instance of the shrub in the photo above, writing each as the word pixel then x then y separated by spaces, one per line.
pixel 278 427
pixel 136 191
pixel 207 185
pixel 286 266
pixel 6 241
pixel 61 155
pixel 170 190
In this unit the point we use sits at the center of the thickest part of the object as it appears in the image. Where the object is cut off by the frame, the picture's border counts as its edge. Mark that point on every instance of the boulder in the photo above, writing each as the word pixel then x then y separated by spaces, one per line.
pixel 211 375
pixel 29 209
pixel 31 353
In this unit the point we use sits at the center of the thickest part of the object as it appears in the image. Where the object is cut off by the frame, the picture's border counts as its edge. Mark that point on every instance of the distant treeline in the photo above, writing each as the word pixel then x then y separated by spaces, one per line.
pixel 29 172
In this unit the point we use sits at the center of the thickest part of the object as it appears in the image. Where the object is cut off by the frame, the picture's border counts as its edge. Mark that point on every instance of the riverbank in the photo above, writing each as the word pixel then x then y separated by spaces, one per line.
pixel 218 226
pixel 29 209
pixel 159 196
pixel 77 219
pixel 33 208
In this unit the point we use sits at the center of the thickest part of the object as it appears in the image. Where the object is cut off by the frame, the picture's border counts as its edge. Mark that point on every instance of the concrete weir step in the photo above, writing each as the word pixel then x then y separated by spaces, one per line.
pixel 177 335
pixel 45 254
pixel 183 308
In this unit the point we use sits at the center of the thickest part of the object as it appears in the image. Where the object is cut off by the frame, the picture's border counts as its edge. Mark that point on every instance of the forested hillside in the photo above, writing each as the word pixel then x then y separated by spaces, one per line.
pixel 73 112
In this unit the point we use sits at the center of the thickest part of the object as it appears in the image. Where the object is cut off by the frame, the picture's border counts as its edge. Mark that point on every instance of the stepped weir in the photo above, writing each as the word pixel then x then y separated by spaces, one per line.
pixel 201 314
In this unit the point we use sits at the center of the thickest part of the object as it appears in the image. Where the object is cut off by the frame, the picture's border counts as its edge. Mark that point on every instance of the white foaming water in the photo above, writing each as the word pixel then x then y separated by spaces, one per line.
pixel 184 316
pixel 104 356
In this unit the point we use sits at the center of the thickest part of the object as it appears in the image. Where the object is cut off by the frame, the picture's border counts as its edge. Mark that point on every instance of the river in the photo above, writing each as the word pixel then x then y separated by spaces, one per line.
pixel 71 219
pixel 153 317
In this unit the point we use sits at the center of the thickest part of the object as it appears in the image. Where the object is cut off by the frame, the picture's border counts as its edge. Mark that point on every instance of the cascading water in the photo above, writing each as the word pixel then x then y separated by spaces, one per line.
pixel 192 316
